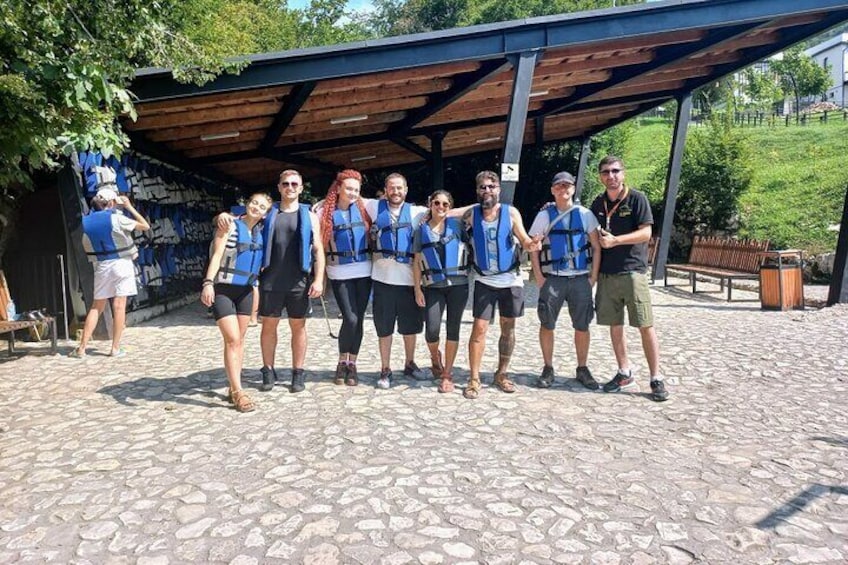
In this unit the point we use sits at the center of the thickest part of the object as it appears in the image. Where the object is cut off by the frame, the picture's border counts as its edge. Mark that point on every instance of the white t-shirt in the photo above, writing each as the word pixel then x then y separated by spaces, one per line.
pixel 540 224
pixel 347 271
pixel 386 270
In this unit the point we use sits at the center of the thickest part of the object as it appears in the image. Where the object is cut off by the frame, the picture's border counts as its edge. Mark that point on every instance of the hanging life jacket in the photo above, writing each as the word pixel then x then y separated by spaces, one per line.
pixel 444 254
pixel 304 235
pixel 509 253
pixel 565 249
pixel 96 173
pixel 393 239
pixel 349 243
pixel 242 260
pixel 101 242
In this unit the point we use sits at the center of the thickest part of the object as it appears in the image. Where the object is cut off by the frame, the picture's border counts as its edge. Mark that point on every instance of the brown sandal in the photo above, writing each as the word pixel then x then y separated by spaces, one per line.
pixel 436 366
pixel 242 401
pixel 446 384
pixel 472 389
pixel 503 383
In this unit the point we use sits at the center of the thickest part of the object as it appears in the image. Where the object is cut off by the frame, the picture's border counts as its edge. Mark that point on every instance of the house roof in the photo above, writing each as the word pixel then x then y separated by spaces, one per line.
pixel 383 103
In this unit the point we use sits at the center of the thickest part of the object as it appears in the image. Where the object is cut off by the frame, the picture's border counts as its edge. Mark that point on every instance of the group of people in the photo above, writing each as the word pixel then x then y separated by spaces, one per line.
pixel 415 261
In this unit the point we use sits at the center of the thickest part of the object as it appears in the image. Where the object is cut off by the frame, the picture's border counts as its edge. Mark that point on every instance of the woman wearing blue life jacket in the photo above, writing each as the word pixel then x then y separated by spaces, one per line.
pixel 237 253
pixel 108 242
pixel 441 281
pixel 345 225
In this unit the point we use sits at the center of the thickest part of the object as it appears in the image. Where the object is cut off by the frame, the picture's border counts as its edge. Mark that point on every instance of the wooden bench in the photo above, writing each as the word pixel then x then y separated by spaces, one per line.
pixel 11 326
pixel 723 258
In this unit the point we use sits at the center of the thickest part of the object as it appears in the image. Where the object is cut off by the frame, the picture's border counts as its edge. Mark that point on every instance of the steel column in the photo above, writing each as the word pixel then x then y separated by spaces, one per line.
pixel 437 164
pixel 839 281
pixel 524 64
pixel 583 162
pixel 672 183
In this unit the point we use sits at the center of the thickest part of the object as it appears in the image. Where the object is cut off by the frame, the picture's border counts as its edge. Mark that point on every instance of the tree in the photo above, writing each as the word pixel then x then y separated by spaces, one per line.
pixel 800 76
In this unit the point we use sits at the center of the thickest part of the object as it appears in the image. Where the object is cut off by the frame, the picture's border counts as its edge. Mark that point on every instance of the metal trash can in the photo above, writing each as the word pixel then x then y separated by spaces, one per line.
pixel 782 280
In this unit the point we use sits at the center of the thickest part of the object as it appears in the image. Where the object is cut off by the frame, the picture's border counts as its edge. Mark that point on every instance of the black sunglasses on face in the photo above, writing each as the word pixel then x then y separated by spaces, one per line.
pixel 611 171
pixel 485 187
pixel 293 184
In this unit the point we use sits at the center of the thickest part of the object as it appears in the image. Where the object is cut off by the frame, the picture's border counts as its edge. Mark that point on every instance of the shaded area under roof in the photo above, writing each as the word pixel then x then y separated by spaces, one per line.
pixel 390 102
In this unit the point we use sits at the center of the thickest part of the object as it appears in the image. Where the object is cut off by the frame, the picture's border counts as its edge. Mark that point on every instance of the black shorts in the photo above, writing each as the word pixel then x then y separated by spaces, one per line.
pixel 396 303
pixel 510 301
pixel 295 301
pixel 231 300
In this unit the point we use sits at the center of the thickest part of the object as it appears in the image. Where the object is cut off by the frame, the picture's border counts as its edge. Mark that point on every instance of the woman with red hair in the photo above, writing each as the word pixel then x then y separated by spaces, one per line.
pixel 345 225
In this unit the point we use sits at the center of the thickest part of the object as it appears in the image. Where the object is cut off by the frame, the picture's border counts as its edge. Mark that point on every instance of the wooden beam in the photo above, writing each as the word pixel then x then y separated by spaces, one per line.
pixel 382 106
pixel 224 114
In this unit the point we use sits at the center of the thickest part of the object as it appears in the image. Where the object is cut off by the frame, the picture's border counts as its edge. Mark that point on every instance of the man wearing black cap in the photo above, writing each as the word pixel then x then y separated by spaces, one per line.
pixel 565 273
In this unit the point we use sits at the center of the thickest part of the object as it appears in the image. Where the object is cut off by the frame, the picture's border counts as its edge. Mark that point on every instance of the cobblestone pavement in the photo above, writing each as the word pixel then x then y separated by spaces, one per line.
pixel 141 460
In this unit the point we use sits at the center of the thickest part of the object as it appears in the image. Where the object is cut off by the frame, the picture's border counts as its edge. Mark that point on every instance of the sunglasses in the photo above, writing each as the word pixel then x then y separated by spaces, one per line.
pixel 489 187
pixel 440 204
pixel 293 184
pixel 611 171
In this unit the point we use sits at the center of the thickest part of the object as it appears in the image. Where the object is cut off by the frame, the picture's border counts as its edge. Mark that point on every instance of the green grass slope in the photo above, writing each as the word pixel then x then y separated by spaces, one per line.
pixel 800 179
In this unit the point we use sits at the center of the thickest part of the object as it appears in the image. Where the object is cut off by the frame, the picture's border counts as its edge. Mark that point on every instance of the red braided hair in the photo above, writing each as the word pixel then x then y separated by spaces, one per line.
pixel 332 200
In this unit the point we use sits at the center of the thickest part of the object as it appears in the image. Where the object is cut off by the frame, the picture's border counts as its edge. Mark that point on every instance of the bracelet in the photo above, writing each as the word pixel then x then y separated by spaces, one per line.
pixel 207 283
pixel 208 280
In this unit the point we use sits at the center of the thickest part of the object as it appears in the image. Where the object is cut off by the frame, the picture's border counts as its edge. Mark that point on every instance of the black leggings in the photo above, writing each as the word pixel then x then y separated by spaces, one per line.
pixel 435 299
pixel 352 298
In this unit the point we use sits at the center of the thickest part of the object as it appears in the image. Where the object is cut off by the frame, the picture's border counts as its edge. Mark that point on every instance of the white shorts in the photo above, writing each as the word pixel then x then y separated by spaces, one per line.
pixel 114 277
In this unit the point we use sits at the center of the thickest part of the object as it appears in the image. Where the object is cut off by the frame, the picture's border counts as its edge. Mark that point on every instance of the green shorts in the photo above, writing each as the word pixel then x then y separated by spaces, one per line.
pixel 626 289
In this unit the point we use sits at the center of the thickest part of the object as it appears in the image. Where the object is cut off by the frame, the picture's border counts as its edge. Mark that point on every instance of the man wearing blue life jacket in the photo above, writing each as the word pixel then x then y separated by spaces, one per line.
pixel 292 273
pixel 626 219
pixel 497 236
pixel 565 273
pixel 394 222
pixel 108 242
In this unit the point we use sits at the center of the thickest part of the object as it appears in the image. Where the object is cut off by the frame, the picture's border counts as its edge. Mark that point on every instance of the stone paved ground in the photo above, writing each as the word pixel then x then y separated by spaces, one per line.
pixel 141 460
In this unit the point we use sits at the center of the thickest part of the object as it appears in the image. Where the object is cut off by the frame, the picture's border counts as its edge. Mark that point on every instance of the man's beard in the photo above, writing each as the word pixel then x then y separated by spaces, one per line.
pixel 488 202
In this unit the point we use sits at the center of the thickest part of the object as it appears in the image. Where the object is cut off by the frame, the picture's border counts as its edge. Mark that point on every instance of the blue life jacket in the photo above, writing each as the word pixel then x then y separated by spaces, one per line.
pixel 508 251
pixel 394 239
pixel 241 263
pixel 444 254
pixel 304 234
pixel 565 249
pixel 101 242
pixel 349 243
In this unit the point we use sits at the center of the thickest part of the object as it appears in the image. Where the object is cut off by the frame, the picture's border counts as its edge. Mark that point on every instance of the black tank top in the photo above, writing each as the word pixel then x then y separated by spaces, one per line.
pixel 283 271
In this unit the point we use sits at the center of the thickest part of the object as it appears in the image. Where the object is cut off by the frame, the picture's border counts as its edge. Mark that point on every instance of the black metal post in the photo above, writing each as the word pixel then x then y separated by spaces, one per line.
pixel 437 164
pixel 583 162
pixel 838 293
pixel 524 65
pixel 672 183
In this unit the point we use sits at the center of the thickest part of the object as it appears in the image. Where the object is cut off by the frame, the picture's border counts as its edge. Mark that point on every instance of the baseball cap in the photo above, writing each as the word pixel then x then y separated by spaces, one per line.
pixel 106 195
pixel 562 177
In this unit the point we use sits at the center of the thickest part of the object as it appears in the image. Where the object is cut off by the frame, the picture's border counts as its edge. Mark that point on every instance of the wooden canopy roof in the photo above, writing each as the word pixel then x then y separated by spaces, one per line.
pixel 383 103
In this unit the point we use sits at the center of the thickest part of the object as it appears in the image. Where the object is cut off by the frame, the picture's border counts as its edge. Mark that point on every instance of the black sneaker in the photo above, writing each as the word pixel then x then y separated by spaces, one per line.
pixel 585 378
pixel 413 371
pixel 298 381
pixel 618 382
pixel 546 379
pixel 658 391
pixel 269 378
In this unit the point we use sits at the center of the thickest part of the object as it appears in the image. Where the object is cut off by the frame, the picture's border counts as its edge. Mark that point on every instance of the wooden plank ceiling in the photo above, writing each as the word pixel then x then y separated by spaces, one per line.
pixel 386 119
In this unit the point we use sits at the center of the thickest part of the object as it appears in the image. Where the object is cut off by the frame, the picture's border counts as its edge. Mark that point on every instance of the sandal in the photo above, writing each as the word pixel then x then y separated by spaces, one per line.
pixel 242 401
pixel 503 383
pixel 352 378
pixel 76 354
pixel 472 389
pixel 446 384
pixel 436 366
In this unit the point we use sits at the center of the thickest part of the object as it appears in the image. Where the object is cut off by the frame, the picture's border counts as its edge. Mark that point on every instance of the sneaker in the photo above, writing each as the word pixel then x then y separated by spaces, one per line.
pixel 585 378
pixel 341 373
pixel 298 383
pixel 76 354
pixel 269 378
pixel 117 353
pixel 546 379
pixel 658 391
pixel 413 371
pixel 619 381
pixel 385 380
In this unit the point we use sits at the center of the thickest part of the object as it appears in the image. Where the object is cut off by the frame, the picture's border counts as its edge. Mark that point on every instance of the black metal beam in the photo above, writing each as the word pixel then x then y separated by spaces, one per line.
pixel 672 183
pixel 482 42
pixel 299 95
pixel 539 123
pixel 838 293
pixel 582 163
pixel 462 85
pixel 437 164
pixel 525 64
pixel 411 147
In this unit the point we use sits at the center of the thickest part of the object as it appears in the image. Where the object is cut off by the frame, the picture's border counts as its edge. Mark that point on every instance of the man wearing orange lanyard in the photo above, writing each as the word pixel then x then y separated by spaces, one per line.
pixel 625 218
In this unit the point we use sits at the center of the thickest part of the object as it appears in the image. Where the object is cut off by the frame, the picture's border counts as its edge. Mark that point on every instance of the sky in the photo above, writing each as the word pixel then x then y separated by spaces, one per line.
pixel 354 5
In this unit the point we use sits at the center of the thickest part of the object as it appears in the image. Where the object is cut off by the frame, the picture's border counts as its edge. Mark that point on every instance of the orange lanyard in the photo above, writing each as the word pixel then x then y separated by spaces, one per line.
pixel 609 213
